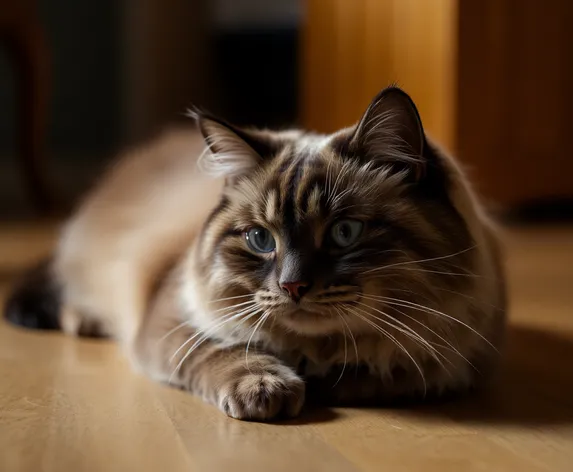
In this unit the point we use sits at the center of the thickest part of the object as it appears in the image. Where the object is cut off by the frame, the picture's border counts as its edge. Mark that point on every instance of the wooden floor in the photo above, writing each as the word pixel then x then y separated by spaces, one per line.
pixel 74 405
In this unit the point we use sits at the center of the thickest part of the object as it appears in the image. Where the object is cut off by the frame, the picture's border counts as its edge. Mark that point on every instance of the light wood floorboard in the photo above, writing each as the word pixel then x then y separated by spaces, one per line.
pixel 75 405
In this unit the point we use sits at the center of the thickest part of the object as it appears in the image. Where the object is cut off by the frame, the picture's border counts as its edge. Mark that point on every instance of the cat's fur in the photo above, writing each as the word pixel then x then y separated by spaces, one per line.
pixel 156 257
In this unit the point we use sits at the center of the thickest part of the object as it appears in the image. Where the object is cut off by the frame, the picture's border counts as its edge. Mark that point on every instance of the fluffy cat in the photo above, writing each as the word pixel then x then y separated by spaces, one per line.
pixel 354 267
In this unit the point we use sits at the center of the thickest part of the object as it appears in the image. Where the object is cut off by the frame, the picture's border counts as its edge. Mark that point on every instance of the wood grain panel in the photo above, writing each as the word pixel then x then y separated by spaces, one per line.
pixel 515 98
pixel 493 80
pixel 318 67
pixel 370 44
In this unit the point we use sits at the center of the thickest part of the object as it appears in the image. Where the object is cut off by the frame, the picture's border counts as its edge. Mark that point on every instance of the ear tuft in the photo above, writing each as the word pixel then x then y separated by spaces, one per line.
pixel 194 112
pixel 391 131
pixel 233 151
pixel 227 155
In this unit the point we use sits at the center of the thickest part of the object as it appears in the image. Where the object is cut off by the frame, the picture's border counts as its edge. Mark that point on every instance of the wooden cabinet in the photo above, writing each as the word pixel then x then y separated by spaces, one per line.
pixel 493 80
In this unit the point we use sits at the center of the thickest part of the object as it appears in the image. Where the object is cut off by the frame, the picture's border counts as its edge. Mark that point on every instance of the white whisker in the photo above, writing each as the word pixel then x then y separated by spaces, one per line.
pixel 407 331
pixel 449 344
pixel 416 306
pixel 201 340
pixel 328 181
pixel 171 331
pixel 439 272
pixel 259 324
pixel 221 321
pixel 205 333
pixel 469 297
pixel 419 261
pixel 249 302
pixel 345 352
pixel 395 341
pixel 350 333
pixel 231 298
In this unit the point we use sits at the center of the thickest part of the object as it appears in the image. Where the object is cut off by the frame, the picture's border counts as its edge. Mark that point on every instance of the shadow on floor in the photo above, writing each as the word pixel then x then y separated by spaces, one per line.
pixel 534 387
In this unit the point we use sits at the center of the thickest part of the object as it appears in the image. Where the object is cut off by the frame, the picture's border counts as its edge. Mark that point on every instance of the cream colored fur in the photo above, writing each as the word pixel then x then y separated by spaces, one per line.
pixel 144 213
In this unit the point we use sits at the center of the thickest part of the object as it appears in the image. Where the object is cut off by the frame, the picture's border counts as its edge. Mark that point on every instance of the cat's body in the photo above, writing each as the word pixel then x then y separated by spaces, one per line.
pixel 358 265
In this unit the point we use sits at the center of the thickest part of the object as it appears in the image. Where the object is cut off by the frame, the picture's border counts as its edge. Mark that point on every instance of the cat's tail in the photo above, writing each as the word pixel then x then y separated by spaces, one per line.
pixel 36 301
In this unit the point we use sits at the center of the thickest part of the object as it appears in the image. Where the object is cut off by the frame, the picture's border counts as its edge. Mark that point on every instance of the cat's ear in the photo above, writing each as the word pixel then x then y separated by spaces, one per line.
pixel 232 151
pixel 390 131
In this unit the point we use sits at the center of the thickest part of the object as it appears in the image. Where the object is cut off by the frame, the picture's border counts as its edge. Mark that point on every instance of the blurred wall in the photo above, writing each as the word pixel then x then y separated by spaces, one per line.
pixel 256 61
pixel 237 58
pixel 166 64
pixel 83 39
pixel 237 14
pixel 124 69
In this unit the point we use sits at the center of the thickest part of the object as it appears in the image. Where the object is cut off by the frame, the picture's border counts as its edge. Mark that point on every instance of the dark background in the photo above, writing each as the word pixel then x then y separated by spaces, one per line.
pixel 493 81
pixel 122 70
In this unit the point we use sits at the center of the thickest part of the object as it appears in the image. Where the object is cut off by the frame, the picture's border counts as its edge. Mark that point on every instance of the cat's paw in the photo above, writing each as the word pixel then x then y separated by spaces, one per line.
pixel 263 394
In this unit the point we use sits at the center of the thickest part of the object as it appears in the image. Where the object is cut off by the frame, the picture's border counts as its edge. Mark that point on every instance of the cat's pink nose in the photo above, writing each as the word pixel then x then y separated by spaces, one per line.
pixel 295 290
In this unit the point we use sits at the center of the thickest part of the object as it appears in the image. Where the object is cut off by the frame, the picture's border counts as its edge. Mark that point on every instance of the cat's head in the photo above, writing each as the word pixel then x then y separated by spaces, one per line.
pixel 314 232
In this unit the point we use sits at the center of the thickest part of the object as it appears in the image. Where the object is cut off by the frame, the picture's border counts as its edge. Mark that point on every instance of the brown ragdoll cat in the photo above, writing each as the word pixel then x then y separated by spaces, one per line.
pixel 354 267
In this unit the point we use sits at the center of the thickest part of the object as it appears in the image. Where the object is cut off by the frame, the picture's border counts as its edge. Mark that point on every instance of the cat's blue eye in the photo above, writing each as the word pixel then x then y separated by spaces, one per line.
pixel 345 232
pixel 260 240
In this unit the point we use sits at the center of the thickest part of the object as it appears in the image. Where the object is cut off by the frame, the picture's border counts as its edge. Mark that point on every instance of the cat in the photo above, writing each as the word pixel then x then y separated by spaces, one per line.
pixel 258 269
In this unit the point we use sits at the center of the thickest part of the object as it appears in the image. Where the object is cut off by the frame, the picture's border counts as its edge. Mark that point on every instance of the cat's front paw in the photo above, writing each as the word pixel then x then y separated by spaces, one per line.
pixel 263 394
